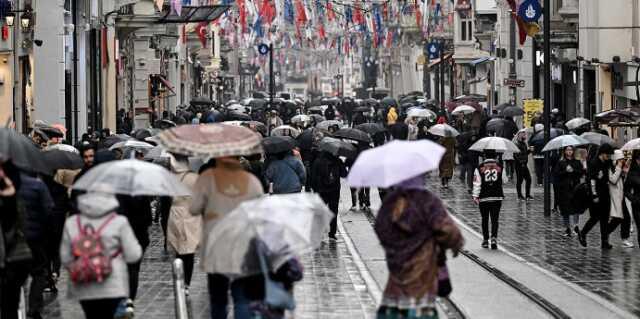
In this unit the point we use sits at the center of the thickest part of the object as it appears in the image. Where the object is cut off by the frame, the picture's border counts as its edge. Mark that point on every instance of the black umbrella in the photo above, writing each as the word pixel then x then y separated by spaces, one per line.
pixel 143 133
pixel 201 101
pixel 21 151
pixel 278 144
pixel 114 139
pixel 362 109
pixel 502 106
pixel 257 103
pixel 353 134
pixel 511 111
pixel 371 128
pixel 165 124
pixel 337 147
pixel 502 128
pixel 237 116
pixel 315 109
pixel 309 138
pixel 537 139
pixel 58 159
pixel 389 101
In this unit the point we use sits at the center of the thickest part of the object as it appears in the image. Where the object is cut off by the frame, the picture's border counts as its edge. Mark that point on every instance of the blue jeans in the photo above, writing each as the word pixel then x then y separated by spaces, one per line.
pixel 571 221
pixel 218 297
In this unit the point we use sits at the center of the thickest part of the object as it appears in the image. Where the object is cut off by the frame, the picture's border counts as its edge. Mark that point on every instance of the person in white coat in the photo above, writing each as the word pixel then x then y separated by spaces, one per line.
pixel 619 212
pixel 102 299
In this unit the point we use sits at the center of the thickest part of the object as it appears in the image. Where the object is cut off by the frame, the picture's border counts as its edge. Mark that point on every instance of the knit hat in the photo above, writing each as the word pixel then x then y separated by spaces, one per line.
pixel 605 149
pixel 617 155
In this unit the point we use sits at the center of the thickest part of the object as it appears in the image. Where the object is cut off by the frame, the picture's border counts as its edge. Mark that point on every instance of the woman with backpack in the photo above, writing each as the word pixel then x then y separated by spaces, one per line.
pixel 101 287
pixel 183 229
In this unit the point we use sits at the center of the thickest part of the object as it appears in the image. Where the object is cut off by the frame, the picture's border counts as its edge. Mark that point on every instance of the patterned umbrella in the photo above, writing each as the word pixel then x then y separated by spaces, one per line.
pixel 211 140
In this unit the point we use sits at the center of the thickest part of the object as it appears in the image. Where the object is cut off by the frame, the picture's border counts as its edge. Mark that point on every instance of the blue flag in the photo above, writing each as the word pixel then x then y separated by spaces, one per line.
pixel 530 11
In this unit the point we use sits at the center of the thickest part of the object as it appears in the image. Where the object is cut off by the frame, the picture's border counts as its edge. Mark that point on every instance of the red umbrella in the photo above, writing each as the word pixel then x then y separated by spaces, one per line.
pixel 211 140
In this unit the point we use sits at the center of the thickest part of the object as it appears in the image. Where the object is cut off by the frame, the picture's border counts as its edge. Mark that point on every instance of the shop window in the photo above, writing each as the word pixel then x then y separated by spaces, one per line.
pixel 466 29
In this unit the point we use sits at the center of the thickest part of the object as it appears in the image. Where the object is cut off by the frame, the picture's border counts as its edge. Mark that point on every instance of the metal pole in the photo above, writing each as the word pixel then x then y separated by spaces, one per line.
pixel 272 80
pixel 512 55
pixel 16 69
pixel 547 103
pixel 426 76
pixel 178 290
pixel 442 97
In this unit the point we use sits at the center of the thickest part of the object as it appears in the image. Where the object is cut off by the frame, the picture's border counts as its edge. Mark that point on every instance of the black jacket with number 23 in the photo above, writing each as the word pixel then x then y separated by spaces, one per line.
pixel 487 181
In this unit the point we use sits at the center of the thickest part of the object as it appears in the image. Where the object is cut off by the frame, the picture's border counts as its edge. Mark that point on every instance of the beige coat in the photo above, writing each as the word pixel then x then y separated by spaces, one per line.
pixel 184 230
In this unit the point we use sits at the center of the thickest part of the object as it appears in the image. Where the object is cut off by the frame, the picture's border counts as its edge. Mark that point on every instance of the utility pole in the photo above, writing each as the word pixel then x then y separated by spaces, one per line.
pixel 442 66
pixel 512 55
pixel 547 103
pixel 272 79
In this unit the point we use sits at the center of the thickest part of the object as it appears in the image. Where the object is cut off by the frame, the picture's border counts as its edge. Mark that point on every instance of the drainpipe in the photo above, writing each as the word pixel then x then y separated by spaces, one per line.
pixel 74 18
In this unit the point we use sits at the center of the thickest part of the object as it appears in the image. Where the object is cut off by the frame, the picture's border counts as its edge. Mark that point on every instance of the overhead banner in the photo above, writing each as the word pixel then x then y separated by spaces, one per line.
pixel 531 109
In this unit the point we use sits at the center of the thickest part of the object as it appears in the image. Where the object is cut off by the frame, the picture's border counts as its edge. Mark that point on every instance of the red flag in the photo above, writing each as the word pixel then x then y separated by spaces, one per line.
pixel 243 15
pixel 321 31
pixel 358 17
pixel 201 30
pixel 267 11
pixel 416 7
pixel 301 15
pixel 330 14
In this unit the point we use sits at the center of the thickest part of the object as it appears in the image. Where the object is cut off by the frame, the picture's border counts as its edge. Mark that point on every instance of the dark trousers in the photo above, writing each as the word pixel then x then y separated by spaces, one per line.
pixel 364 197
pixel 490 210
pixel 354 196
pixel 599 212
pixel 466 174
pixel 187 260
pixel 165 210
pixel 100 308
pixel 523 175
pixel 539 166
pixel 10 283
pixel 332 199
pixel 382 192
pixel 624 223
pixel 52 245
pixel 510 168
pixel 134 273
pixel 38 276
pixel 219 297
pixel 636 217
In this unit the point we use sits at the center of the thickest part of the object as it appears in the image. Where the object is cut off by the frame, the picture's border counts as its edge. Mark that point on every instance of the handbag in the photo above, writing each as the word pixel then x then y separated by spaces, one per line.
pixel 275 296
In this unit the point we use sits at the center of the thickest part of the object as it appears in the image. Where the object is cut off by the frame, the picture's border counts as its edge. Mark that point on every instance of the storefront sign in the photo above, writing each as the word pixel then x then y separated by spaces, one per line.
pixel 531 109
pixel 514 83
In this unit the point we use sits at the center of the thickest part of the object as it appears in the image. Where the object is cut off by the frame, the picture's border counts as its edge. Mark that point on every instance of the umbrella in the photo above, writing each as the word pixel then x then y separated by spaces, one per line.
pixel 257 103
pixel 421 113
pixel 237 107
pixel 371 128
pixel 494 143
pixel 394 162
pixel 114 139
pixel 132 144
pixel 131 177
pixel 363 109
pixel 443 130
pixel 211 140
pixel 464 109
pixel 22 151
pixel 288 224
pixel 62 147
pixel 237 116
pixel 143 133
pixel 255 126
pixel 317 118
pixel 512 111
pixel 563 141
pixel 576 123
pixel 623 115
pixel 388 101
pixel 201 100
pixel 165 124
pixel 285 130
pixel 597 138
pixel 58 159
pixel 501 127
pixel 324 126
pixel 353 134
pixel 502 106
pixel 302 118
pixel 538 137
pixel 156 153
pixel 337 147
pixel 634 144
pixel 309 138
pixel 278 144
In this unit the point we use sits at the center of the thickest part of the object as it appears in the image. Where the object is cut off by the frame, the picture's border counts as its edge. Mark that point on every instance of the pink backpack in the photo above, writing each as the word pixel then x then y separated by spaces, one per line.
pixel 92 263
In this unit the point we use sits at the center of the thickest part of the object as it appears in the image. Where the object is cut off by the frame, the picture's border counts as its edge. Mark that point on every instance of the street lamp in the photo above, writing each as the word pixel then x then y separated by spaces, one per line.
pixel 10 19
pixel 26 19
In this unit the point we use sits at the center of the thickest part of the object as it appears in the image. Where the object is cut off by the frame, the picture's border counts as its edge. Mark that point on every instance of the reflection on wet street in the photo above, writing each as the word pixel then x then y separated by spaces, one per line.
pixel 614 274
pixel 332 287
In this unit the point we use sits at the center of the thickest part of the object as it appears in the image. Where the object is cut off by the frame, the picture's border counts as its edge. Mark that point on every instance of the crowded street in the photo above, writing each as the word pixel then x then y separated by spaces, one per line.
pixel 330 159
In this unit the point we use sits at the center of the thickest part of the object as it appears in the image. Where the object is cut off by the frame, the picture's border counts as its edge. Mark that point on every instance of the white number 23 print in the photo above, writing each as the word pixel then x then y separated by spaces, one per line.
pixel 491 175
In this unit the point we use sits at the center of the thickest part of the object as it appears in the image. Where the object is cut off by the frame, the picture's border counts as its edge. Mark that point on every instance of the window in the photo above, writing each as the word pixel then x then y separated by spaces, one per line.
pixel 466 29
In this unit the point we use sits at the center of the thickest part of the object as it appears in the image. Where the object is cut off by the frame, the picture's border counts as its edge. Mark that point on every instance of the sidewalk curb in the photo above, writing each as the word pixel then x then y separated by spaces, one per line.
pixel 372 286
pixel 601 301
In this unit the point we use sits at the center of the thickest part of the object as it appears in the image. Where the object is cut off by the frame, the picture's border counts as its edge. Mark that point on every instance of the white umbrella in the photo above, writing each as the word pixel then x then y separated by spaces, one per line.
pixel 421 113
pixel 494 143
pixel 443 130
pixel 597 138
pixel 62 147
pixel 131 177
pixel 138 145
pixel 285 130
pixel 302 118
pixel 634 144
pixel 563 141
pixel 287 224
pixel 237 107
pixel 464 109
pixel 576 122
pixel 394 162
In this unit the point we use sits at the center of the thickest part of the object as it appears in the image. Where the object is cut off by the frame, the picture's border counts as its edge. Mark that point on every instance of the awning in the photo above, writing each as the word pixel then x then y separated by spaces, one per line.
pixel 481 60
pixel 435 62
pixel 191 14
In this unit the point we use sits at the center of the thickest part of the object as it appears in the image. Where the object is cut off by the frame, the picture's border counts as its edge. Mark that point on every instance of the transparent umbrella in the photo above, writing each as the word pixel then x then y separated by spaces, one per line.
pixel 288 225
pixel 576 122
pixel 494 143
pixel 563 141
pixel 443 130
pixel 131 177
pixel 597 138
pixel 285 130
pixel 464 109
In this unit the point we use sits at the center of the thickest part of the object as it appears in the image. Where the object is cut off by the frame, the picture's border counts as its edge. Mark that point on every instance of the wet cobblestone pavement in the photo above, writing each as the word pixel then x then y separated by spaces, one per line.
pixel 614 274
pixel 332 287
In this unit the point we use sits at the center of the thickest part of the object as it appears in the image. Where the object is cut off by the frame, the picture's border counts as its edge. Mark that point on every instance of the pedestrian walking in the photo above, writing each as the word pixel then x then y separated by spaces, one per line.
pixel 538 157
pixel 468 159
pixel 598 174
pixel 521 167
pixel 448 161
pixel 284 173
pixel 488 195
pixel 567 173
pixel 632 189
pixel 217 192
pixel 184 230
pixel 415 231
pixel 392 116
pixel 330 113
pixel 359 196
pixel 619 212
pixel 326 172
pixel 38 206
pixel 101 288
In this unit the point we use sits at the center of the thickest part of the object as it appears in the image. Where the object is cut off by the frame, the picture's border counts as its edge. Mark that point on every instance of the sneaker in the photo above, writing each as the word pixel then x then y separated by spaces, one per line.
pixel 576 230
pixel 485 244
pixel 529 198
pixel 567 233
pixel 520 198
pixel 627 243
pixel 494 243
pixel 582 239
pixel 352 209
pixel 333 237
pixel 186 291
